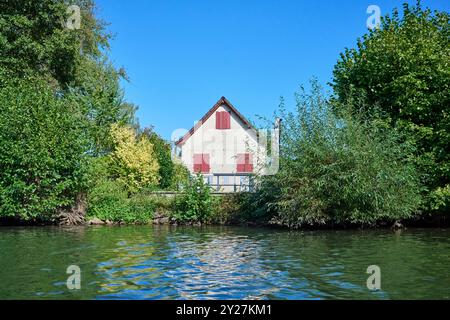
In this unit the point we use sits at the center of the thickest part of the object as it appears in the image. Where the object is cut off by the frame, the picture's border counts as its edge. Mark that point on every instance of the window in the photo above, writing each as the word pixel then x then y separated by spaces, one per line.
pixel 178 152
pixel 244 162
pixel 201 163
pixel 223 120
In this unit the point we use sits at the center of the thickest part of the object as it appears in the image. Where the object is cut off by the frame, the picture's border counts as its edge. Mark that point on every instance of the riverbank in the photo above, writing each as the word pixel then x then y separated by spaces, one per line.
pixel 170 221
pixel 198 207
pixel 167 218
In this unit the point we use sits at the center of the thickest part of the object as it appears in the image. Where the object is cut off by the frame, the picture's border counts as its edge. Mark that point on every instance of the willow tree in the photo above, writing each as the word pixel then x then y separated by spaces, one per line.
pixel 339 169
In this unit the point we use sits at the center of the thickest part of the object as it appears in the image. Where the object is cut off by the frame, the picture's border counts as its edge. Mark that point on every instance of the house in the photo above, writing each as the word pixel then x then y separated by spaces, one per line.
pixel 225 148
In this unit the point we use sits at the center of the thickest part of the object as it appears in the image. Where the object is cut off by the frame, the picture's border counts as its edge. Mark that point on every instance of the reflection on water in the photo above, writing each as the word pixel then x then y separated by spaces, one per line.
pixel 222 263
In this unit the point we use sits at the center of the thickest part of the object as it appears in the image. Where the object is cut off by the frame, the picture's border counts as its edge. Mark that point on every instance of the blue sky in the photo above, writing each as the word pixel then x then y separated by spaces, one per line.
pixel 182 56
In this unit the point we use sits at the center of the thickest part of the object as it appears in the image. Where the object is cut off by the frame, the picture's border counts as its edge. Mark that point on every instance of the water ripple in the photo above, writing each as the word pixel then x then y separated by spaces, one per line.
pixel 222 263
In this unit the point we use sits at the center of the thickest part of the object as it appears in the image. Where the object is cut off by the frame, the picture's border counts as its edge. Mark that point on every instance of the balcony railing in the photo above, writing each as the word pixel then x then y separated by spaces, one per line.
pixel 231 182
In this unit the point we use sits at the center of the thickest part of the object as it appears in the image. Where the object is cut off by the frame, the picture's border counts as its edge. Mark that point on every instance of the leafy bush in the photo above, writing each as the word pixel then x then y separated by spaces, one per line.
pixel 250 207
pixel 403 69
pixel 341 170
pixel 42 151
pixel 181 176
pixel 141 209
pixel 163 155
pixel 163 205
pixel 196 204
pixel 133 160
pixel 108 200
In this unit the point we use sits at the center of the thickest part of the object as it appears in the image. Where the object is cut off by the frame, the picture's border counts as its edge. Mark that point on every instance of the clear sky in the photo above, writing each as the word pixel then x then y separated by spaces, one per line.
pixel 182 56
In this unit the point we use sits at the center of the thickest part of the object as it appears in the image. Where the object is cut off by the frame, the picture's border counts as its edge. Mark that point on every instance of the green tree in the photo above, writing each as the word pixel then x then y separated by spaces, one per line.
pixel 133 160
pixel 34 39
pixel 340 170
pixel 403 69
pixel 181 176
pixel 80 88
pixel 43 149
pixel 100 98
pixel 163 153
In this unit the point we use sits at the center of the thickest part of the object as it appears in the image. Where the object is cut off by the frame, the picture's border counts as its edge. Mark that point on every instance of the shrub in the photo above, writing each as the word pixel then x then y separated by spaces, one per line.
pixel 254 208
pixel 42 151
pixel 180 177
pixel 341 170
pixel 109 200
pixel 163 155
pixel 163 205
pixel 141 209
pixel 196 204
pixel 133 160
pixel 402 68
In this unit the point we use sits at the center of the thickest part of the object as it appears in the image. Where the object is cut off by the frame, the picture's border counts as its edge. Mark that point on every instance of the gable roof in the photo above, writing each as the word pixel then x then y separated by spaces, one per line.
pixel 222 101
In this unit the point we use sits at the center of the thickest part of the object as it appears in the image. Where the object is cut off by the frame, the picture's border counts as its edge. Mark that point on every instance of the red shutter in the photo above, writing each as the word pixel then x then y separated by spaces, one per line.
pixel 248 162
pixel 198 160
pixel 223 120
pixel 201 163
pixel 205 163
pixel 226 120
pixel 244 163
pixel 218 120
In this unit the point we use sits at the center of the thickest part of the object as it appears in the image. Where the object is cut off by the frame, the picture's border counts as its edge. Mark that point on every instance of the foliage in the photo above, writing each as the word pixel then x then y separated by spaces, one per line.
pixel 196 204
pixel 34 39
pixel 163 205
pixel 141 207
pixel 76 85
pixel 402 68
pixel 163 154
pixel 250 207
pixel 42 151
pixel 109 201
pixel 181 176
pixel 133 161
pixel 100 98
pixel 338 170
pixel 441 198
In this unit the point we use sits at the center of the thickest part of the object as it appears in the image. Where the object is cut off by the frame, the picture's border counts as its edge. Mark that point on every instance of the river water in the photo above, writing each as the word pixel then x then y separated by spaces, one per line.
pixel 145 262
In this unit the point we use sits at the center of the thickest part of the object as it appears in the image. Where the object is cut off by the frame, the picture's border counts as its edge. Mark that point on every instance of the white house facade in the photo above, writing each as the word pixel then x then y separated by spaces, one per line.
pixel 224 147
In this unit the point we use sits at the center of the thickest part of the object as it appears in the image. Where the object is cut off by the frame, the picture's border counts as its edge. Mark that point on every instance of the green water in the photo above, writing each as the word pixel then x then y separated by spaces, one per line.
pixel 140 262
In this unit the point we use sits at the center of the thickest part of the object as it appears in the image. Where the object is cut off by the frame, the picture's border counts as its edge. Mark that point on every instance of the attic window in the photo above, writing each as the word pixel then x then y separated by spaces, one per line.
pixel 223 120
